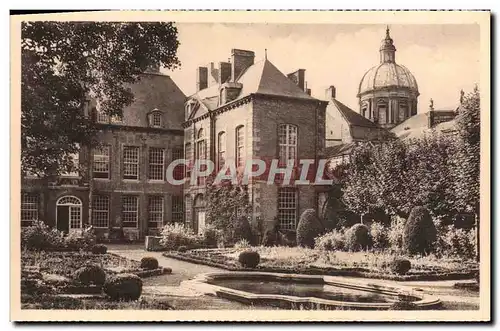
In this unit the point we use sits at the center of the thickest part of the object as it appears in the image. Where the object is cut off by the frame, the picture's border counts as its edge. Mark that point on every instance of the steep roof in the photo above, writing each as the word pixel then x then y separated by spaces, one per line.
pixel 260 78
pixel 337 150
pixel 418 125
pixel 352 117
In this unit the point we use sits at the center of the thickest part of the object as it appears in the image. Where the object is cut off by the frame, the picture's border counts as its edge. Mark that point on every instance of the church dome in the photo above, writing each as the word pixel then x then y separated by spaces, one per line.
pixel 387 74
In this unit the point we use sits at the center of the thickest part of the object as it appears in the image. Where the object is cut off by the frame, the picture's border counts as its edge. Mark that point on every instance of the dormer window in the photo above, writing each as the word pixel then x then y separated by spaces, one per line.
pixel 155 119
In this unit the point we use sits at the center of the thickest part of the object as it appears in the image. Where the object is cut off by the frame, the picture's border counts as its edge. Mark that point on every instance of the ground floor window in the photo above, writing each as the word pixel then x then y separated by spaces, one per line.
pixel 100 211
pixel 177 209
pixel 130 211
pixel 155 212
pixel 29 209
pixel 287 208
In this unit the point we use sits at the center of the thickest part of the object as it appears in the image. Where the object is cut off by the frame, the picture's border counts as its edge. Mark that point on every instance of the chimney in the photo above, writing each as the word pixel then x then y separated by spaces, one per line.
pixel 213 74
pixel 241 60
pixel 331 92
pixel 201 78
pixel 224 72
pixel 298 77
pixel 308 91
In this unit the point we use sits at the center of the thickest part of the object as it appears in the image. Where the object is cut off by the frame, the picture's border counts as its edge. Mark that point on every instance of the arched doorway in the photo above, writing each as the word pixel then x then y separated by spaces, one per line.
pixel 68 214
pixel 199 214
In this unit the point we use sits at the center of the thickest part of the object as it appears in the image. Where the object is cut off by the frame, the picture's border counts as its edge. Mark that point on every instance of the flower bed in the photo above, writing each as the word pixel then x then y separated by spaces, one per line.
pixel 309 261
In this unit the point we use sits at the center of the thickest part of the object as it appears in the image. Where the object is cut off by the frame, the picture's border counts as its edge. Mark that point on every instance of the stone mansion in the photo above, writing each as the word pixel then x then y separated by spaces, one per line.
pixel 242 109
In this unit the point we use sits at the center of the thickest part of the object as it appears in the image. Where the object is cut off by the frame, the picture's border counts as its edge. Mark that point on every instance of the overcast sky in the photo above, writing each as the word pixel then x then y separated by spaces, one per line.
pixel 443 58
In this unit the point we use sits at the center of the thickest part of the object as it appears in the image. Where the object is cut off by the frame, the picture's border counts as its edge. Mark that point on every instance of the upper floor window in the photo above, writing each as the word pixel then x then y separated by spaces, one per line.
pixel 178 154
pixel 221 149
pixel 201 145
pixel 383 116
pixel 155 119
pixel 101 162
pixel 100 211
pixel 73 161
pixel 287 135
pixel 287 208
pixel 156 163
pixel 240 147
pixel 130 162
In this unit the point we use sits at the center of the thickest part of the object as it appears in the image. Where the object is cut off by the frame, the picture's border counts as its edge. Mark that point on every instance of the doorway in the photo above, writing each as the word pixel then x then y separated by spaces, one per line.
pixel 68 214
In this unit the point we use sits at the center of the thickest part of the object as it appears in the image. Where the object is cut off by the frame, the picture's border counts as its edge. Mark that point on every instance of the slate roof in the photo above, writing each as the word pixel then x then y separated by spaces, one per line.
pixel 337 150
pixel 260 78
pixel 352 117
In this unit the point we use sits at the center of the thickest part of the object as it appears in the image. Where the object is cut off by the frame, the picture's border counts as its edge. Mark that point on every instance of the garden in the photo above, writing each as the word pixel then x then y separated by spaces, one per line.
pixel 74 272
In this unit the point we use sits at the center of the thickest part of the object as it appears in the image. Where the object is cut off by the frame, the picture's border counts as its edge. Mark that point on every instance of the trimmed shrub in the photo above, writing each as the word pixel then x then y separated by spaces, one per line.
pixel 270 238
pixel 176 235
pixel 419 232
pixel 309 227
pixel 210 236
pixel 287 238
pixel 242 229
pixel 400 266
pixel 182 249
pixel 378 233
pixel 358 238
pixel 40 237
pixel 249 259
pixel 77 240
pixel 395 233
pixel 124 287
pixel 91 274
pixel 99 249
pixel 149 263
pixel 330 241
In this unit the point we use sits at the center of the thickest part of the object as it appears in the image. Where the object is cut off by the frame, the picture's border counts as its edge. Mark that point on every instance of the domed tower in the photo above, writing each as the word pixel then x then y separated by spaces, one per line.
pixel 388 92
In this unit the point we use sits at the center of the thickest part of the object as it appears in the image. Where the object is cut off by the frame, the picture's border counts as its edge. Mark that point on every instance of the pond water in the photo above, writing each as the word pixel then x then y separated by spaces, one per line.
pixel 289 288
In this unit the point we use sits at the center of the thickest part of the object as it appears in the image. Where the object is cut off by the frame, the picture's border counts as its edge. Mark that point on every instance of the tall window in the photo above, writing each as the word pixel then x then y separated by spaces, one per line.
pixel 177 209
pixel 101 162
pixel 382 113
pixel 287 207
pixel 100 211
pixel 287 134
pixel 201 152
pixel 74 159
pixel 130 211
pixel 221 149
pixel 29 209
pixel 188 154
pixel 130 162
pixel 156 163
pixel 239 145
pixel 102 117
pixel 178 154
pixel 155 212
pixel 156 119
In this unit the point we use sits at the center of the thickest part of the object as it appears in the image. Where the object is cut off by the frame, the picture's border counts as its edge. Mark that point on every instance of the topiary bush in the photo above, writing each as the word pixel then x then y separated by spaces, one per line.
pixel 182 249
pixel 378 233
pixel 80 240
pixel 249 259
pixel 210 236
pixel 39 236
pixel 242 229
pixel 99 249
pixel 419 233
pixel 309 227
pixel 149 263
pixel 330 241
pixel 400 266
pixel 358 238
pixel 91 274
pixel 123 287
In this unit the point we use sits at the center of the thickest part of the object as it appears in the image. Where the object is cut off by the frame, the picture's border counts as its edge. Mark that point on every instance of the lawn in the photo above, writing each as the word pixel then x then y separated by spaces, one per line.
pixel 304 260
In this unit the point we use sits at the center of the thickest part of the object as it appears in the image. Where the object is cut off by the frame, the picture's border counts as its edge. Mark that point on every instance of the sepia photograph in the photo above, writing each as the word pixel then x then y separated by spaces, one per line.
pixel 250 166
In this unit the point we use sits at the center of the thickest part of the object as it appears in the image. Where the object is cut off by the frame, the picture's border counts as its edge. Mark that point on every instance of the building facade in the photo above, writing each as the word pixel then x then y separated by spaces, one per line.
pixel 125 185
pixel 388 92
pixel 246 110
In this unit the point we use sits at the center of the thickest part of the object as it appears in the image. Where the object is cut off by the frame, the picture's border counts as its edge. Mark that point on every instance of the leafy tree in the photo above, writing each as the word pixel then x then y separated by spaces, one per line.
pixel 64 64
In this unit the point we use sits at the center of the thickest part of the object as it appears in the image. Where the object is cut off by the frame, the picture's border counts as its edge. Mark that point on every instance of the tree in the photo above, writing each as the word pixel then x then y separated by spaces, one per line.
pixel 64 64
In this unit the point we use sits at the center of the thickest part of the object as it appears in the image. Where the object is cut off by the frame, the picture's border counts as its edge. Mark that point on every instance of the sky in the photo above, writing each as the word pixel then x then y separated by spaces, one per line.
pixel 443 58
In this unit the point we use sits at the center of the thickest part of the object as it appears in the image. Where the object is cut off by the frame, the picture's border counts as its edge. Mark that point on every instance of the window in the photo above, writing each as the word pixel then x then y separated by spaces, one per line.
pixel 130 211
pixel 287 207
pixel 102 117
pixel 100 211
pixel 239 145
pixel 155 212
pixel 188 154
pixel 101 162
pixel 117 118
pixel 201 153
pixel 382 112
pixel 74 160
pixel 287 135
pixel 74 206
pixel 178 154
pixel 131 162
pixel 221 150
pixel 156 119
pixel 29 209
pixel 156 163
pixel 177 209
